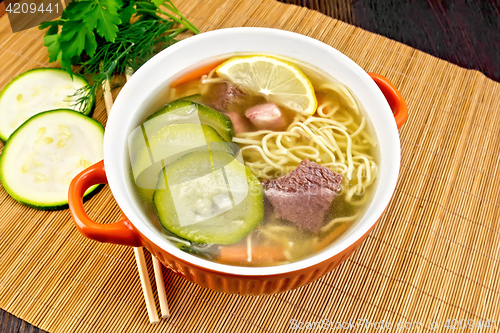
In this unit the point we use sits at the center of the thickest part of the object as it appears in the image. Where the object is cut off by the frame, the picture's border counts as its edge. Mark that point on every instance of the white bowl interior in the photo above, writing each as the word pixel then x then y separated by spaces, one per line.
pixel 139 97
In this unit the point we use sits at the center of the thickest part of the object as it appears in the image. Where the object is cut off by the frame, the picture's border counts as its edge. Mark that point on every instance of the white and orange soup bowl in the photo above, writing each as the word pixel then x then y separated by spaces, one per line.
pixel 381 102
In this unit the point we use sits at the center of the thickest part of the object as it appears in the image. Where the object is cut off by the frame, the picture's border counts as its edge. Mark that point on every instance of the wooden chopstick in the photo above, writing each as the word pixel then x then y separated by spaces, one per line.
pixel 108 98
pixel 160 287
pixel 146 285
pixel 160 284
pixel 147 290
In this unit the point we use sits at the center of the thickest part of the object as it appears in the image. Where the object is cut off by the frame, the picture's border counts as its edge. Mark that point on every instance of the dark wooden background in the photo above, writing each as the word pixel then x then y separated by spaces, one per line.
pixel 463 32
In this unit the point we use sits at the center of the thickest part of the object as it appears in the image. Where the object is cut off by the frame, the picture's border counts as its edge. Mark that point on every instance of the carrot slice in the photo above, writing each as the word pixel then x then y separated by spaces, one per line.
pixel 196 74
pixel 260 255
pixel 334 234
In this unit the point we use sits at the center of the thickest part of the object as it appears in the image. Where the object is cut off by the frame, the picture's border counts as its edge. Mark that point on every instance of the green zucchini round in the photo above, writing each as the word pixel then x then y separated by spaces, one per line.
pixel 43 155
pixel 149 155
pixel 209 198
pixel 207 116
pixel 35 91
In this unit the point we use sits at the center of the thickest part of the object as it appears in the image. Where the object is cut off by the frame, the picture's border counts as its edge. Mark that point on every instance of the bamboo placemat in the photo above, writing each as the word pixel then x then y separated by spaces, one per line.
pixel 433 256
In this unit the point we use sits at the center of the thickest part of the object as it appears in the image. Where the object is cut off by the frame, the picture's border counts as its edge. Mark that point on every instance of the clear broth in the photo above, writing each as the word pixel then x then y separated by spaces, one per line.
pixel 269 235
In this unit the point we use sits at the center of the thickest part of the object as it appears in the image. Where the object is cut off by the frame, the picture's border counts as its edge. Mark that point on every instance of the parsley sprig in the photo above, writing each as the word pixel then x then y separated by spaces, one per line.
pixel 110 37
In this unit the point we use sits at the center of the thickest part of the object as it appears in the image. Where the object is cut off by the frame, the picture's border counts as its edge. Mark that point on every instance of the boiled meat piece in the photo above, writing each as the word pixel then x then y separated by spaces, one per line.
pixel 266 116
pixel 304 195
pixel 224 95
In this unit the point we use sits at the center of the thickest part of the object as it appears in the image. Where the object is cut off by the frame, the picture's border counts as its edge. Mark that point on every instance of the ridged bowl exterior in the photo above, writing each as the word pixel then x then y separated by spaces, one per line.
pixel 249 285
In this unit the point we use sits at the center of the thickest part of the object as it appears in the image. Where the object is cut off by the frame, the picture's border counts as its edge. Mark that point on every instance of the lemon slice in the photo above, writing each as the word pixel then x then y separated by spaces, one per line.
pixel 277 80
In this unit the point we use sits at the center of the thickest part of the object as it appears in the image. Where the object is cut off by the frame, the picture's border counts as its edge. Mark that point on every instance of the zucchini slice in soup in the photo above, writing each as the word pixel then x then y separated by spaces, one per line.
pixel 196 98
pixel 35 91
pixel 44 154
pixel 149 155
pixel 209 197
pixel 208 116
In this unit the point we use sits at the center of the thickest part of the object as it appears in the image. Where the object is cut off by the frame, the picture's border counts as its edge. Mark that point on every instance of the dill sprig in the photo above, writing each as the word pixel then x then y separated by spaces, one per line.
pixel 134 45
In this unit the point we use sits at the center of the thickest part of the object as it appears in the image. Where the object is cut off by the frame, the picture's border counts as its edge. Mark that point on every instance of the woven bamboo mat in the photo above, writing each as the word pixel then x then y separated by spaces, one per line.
pixel 433 256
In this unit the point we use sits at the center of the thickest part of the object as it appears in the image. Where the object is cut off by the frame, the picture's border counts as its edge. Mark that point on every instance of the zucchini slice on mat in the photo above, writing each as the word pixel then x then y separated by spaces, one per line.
pixel 209 197
pixel 35 91
pixel 44 154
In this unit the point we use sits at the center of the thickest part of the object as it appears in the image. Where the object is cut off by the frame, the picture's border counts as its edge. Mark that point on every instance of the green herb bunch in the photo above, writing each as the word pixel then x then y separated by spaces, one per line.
pixel 111 37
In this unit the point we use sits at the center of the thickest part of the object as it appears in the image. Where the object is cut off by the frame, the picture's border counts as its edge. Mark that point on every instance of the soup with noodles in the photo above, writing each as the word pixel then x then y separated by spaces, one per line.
pixel 255 160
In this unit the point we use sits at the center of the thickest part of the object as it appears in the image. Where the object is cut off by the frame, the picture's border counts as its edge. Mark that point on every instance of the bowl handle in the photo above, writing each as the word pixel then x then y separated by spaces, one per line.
pixel 393 96
pixel 120 232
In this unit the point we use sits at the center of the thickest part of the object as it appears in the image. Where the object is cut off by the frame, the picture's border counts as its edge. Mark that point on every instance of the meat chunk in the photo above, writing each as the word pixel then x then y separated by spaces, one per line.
pixel 266 116
pixel 240 123
pixel 226 94
pixel 304 195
